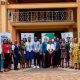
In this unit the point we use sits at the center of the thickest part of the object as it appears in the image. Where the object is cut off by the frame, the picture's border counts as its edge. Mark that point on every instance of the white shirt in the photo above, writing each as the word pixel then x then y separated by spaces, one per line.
pixel 29 46
pixel 13 47
pixel 50 47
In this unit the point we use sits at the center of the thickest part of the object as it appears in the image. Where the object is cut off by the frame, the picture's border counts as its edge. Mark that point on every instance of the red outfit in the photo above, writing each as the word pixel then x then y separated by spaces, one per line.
pixel 6 48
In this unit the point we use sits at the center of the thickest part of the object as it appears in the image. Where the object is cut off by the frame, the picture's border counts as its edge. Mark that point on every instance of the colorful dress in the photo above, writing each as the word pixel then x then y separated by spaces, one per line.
pixel 71 53
pixel 79 54
pixel 22 55
pixel 63 51
pixel 75 53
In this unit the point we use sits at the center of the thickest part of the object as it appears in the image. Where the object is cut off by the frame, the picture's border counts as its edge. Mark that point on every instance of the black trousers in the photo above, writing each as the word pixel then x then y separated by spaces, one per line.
pixel 6 60
pixel 44 60
pixel 36 59
pixel 49 58
pixel 16 59
pixel 56 58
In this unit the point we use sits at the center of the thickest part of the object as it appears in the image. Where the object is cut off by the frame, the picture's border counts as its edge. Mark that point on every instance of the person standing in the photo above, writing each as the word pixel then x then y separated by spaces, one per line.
pixel 10 54
pixel 71 53
pixel 0 58
pixel 63 53
pixel 22 55
pixel 36 46
pixel 44 52
pixel 29 52
pixel 57 52
pixel 40 56
pixel 76 53
pixel 5 54
pixel 50 50
pixel 68 49
pixel 15 49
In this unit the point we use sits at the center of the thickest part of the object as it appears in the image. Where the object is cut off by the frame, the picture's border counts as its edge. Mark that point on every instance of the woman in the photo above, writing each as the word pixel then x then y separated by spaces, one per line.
pixel 71 52
pixel 5 53
pixel 63 53
pixel 22 55
pixel 50 49
pixel 76 53
pixel 10 54
pixel 79 56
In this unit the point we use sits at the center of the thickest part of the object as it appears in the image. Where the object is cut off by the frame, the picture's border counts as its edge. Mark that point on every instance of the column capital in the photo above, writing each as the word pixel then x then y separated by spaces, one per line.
pixel 3 2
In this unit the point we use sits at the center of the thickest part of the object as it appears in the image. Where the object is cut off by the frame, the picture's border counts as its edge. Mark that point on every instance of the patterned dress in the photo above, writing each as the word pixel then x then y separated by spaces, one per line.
pixel 76 53
pixel 79 54
pixel 22 55
pixel 71 53
pixel 63 51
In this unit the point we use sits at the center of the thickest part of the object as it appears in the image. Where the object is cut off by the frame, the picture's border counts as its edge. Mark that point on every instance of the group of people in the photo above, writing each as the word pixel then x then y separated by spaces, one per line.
pixel 54 53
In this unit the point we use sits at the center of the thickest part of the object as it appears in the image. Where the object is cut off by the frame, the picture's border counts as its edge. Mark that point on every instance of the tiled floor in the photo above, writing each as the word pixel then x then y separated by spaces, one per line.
pixel 42 74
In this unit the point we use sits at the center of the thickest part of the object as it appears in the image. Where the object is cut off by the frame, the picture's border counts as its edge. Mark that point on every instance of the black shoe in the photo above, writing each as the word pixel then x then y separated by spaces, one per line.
pixel 16 69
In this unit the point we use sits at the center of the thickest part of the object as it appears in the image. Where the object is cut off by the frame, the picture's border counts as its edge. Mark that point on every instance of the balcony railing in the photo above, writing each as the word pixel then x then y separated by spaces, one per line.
pixel 42 16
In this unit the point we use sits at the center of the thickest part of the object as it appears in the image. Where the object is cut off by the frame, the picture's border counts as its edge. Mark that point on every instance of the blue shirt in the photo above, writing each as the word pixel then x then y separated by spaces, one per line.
pixel 57 45
pixel 44 47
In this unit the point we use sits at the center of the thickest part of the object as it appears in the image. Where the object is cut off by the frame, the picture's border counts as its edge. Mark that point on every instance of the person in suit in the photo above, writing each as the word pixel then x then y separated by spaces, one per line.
pixel 44 51
pixel 15 49
pixel 36 46
pixel 56 56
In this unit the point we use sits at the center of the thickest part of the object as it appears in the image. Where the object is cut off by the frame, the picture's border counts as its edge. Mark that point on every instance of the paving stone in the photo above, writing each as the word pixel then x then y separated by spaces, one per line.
pixel 42 74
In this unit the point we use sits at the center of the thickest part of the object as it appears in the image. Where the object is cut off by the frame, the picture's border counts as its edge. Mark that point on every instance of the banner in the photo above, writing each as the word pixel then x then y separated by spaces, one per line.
pixel 26 35
pixel 47 36
pixel 5 36
pixel 67 34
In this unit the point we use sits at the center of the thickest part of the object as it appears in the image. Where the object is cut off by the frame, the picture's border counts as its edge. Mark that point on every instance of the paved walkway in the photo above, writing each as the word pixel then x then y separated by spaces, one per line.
pixel 42 74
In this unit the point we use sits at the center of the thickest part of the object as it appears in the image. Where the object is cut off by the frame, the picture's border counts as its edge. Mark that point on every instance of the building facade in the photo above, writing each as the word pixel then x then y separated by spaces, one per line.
pixel 39 16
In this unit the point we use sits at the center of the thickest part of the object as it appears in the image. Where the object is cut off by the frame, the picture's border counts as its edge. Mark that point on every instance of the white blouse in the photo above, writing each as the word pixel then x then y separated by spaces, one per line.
pixel 50 47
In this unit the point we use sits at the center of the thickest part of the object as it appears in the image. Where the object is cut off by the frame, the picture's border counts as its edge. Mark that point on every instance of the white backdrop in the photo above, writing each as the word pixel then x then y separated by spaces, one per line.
pixel 26 35
pixel 6 35
pixel 66 34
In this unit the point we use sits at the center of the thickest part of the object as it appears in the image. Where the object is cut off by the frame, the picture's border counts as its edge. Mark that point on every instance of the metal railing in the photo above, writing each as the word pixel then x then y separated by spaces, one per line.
pixel 42 16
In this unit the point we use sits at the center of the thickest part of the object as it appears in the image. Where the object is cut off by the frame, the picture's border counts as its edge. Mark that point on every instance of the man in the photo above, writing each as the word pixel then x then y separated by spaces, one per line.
pixel 56 52
pixel 40 56
pixel 29 52
pixel 44 52
pixel 15 49
pixel 68 49
pixel 36 52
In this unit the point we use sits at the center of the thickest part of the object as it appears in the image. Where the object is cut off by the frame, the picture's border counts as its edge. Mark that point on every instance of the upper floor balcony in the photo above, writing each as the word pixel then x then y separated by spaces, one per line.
pixel 39 1
pixel 42 16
